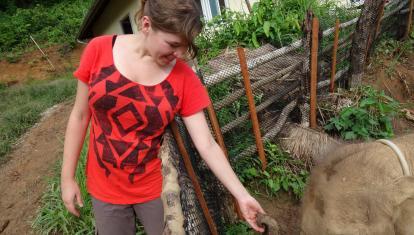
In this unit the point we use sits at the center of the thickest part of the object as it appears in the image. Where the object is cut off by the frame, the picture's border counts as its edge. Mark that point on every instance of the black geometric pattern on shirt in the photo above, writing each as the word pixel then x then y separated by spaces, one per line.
pixel 98 158
pixel 129 107
pixel 110 85
pixel 102 106
pixel 120 146
pixel 168 115
pixel 91 95
pixel 151 154
pixel 132 158
pixel 107 154
pixel 150 89
pixel 104 73
pixel 156 99
pixel 155 122
pixel 133 93
pixel 169 93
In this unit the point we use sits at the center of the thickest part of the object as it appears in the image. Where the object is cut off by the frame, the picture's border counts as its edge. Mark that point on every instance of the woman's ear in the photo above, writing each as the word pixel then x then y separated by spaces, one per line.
pixel 145 24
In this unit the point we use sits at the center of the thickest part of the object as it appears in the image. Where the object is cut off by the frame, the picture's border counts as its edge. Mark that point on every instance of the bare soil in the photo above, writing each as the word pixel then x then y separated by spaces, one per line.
pixel 23 178
pixel 34 66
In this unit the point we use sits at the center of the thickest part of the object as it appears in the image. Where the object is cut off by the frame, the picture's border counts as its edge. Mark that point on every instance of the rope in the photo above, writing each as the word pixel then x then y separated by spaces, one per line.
pixel 400 155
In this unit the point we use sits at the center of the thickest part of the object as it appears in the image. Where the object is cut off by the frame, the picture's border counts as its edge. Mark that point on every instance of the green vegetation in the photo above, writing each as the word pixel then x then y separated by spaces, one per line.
pixel 48 22
pixel 272 21
pixel 394 50
pixel 22 105
pixel 241 228
pixel 282 172
pixel 370 116
pixel 53 218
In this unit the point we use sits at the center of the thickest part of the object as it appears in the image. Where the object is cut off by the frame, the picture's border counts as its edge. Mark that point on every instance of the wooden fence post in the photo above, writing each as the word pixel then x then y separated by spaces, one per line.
pixel 193 177
pixel 409 20
pixel 252 107
pixel 314 71
pixel 220 140
pixel 334 51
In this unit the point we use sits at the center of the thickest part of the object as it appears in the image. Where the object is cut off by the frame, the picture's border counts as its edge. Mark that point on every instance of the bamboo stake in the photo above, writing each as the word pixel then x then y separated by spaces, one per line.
pixel 334 51
pixel 314 71
pixel 193 177
pixel 252 107
pixel 378 24
pixel 219 137
pixel 249 7
pixel 47 58
pixel 409 20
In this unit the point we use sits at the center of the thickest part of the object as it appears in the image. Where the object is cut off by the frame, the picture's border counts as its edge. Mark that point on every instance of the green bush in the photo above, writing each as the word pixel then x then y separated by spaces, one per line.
pixel 282 172
pixel 272 21
pixel 240 228
pixel 55 24
pixel 370 117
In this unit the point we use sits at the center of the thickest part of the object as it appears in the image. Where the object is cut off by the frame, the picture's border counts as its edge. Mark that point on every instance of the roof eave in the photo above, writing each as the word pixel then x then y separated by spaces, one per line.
pixel 94 12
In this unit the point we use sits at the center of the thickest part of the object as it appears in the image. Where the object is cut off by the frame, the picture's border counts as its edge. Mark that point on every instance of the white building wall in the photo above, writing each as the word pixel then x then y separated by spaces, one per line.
pixel 110 20
pixel 239 5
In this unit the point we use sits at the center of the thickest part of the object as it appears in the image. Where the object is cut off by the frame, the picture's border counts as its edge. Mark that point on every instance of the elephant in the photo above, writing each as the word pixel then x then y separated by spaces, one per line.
pixel 359 188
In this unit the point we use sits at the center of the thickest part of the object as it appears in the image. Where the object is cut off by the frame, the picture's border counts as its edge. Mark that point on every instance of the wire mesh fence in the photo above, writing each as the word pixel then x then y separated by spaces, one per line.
pixel 280 85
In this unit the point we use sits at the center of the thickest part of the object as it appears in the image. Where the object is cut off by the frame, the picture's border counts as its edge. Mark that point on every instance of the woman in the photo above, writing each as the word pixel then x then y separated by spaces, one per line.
pixel 129 88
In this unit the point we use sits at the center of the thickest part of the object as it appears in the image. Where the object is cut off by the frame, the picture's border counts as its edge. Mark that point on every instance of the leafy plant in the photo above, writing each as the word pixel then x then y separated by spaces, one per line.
pixel 369 117
pixel 48 22
pixel 282 172
pixel 271 21
pixel 240 228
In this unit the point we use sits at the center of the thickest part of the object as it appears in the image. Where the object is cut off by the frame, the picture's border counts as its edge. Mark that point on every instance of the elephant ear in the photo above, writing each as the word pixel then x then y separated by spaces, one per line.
pixel 403 189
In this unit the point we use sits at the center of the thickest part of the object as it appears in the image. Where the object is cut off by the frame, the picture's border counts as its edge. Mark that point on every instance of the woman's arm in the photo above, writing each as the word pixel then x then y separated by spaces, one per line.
pixel 211 152
pixel 74 137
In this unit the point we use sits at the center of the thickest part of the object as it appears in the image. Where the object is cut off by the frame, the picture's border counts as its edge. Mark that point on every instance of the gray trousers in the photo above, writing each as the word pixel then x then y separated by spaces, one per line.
pixel 113 219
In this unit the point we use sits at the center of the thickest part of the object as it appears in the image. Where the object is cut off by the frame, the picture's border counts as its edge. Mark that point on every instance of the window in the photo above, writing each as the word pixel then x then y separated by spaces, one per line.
pixel 126 25
pixel 211 8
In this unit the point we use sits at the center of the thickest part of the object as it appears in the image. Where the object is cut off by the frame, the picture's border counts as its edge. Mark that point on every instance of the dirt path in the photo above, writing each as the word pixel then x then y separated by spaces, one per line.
pixel 23 179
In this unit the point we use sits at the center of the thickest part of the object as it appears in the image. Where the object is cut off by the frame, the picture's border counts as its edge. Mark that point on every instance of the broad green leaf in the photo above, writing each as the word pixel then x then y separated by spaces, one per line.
pixel 266 28
pixel 254 40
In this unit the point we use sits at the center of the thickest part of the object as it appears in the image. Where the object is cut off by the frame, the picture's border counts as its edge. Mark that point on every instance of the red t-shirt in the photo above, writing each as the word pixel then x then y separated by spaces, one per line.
pixel 128 121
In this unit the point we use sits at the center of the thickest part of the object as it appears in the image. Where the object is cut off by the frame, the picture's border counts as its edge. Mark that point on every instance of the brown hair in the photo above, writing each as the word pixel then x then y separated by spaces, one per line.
pixel 181 17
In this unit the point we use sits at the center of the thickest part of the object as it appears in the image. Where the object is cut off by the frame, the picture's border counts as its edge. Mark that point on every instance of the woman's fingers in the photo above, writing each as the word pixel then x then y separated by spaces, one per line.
pixel 70 206
pixel 79 199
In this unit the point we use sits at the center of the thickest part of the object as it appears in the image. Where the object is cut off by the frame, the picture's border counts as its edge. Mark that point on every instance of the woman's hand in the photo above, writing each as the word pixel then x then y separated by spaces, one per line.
pixel 70 195
pixel 250 208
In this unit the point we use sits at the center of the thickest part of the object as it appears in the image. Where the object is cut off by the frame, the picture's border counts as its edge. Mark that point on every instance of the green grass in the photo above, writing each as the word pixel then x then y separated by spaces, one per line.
pixel 53 218
pixel 22 105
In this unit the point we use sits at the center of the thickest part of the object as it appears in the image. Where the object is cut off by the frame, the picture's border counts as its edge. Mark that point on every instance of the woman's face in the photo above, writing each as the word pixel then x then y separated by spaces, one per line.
pixel 162 46
pixel 166 47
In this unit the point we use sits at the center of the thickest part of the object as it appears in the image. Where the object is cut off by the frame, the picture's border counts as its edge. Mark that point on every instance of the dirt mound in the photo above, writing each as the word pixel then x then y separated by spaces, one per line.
pixel 33 65
pixel 23 179
pixel 397 81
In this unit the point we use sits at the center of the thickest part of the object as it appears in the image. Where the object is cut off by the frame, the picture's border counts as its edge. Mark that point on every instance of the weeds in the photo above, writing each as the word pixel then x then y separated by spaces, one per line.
pixel 53 218
pixel 394 51
pixel 57 23
pixel 240 228
pixel 22 106
pixel 282 172
pixel 369 116
pixel 271 21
